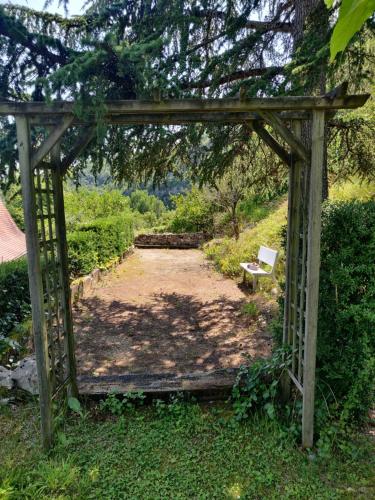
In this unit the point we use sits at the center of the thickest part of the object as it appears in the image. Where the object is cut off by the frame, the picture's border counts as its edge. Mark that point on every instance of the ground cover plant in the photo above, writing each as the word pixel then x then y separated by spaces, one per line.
pixel 172 450
pixel 228 253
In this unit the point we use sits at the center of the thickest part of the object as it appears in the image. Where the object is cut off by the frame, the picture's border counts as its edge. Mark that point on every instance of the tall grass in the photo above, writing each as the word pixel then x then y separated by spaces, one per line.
pixel 227 253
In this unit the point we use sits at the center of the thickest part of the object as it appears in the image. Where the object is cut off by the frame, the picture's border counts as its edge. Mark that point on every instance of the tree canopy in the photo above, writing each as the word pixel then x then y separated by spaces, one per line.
pixel 134 49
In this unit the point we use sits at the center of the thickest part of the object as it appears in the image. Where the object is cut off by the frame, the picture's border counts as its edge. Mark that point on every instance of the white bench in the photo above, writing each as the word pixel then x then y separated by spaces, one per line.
pixel 265 256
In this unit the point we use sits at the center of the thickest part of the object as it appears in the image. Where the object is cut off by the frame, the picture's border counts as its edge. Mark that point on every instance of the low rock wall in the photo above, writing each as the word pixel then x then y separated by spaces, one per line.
pixel 170 240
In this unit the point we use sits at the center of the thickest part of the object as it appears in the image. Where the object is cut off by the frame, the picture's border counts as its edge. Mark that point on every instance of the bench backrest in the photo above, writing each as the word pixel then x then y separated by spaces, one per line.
pixel 267 256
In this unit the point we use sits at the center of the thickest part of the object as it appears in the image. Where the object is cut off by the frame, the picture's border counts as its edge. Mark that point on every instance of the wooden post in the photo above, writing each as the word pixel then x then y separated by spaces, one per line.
pixel 35 279
pixel 312 276
pixel 62 253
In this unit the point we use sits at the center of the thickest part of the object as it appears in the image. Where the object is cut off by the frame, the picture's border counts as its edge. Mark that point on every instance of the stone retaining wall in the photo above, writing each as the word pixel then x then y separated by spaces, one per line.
pixel 170 240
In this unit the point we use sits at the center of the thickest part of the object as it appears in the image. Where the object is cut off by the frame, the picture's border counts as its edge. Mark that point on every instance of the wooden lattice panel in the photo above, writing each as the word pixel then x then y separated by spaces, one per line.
pixel 45 196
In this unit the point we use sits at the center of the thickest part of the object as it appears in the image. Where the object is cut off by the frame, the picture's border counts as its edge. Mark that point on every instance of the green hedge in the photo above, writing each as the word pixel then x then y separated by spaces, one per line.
pixel 14 296
pixel 96 243
pixel 346 339
pixel 346 323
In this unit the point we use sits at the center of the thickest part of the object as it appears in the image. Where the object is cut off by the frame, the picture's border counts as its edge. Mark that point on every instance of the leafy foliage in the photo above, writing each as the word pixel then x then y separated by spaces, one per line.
pixel 352 15
pixel 228 253
pixel 94 244
pixel 118 404
pixel 14 298
pixel 193 212
pixel 143 202
pixel 87 205
pixel 258 385
pixel 191 451
pixel 127 50
pixel 346 346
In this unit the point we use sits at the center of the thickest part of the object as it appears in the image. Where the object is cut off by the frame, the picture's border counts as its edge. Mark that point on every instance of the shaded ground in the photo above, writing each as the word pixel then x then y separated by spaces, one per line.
pixel 167 311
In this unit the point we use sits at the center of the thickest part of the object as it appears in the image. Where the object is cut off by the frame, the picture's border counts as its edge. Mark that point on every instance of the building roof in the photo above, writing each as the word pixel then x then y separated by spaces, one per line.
pixel 12 239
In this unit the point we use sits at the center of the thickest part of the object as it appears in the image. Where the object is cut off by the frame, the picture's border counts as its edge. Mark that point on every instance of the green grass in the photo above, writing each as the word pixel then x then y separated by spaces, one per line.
pixel 352 190
pixel 227 253
pixel 178 451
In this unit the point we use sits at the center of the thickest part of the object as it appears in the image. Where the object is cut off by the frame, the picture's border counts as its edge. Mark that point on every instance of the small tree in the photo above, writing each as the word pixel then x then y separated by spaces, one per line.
pixel 228 192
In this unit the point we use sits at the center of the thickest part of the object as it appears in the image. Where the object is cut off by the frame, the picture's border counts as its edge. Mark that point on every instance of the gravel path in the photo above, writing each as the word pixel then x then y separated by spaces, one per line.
pixel 167 311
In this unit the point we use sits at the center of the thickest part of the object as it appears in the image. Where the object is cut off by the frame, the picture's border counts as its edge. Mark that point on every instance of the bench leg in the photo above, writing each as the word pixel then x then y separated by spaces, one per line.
pixel 255 281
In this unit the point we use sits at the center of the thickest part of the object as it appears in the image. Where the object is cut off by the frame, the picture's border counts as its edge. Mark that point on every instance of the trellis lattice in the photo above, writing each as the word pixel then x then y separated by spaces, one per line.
pixel 53 290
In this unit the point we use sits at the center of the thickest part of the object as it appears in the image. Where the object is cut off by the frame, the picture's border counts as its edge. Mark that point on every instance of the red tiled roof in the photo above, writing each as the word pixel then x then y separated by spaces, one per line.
pixel 12 239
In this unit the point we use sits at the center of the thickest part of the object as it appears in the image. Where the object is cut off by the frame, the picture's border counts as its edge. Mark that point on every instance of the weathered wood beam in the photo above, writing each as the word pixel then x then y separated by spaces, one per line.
pixel 83 140
pixel 289 103
pixel 296 145
pixel 172 118
pixel 63 269
pixel 272 143
pixel 35 280
pixel 312 277
pixel 51 140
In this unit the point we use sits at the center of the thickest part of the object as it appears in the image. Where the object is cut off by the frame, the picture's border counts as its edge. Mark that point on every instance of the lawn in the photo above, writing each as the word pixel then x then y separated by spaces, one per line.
pixel 174 451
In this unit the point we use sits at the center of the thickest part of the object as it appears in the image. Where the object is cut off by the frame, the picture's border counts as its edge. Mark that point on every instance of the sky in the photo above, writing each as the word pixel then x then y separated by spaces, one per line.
pixel 75 6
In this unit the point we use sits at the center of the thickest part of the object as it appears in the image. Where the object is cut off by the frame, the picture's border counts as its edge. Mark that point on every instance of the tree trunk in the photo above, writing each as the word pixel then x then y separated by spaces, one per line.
pixel 315 14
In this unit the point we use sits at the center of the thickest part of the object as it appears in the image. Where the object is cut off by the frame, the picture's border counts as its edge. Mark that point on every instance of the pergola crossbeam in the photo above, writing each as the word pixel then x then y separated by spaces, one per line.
pixel 191 106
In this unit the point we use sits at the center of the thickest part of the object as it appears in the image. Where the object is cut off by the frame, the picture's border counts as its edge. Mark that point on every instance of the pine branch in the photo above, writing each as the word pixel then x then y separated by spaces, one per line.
pixel 37 44
pixel 236 75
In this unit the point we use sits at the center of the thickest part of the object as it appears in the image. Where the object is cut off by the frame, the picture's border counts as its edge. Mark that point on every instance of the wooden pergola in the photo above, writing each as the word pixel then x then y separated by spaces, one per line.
pixel 42 170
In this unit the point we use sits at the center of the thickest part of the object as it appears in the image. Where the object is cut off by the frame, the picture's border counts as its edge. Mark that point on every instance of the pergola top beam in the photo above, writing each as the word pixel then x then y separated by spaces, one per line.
pixel 192 106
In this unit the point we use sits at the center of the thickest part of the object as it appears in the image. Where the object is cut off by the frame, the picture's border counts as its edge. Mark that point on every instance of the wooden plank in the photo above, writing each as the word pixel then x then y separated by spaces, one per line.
pixel 62 254
pixel 158 383
pixel 83 140
pixel 51 140
pixel 172 118
pixel 35 280
pixel 295 144
pixel 193 105
pixel 312 277
pixel 272 143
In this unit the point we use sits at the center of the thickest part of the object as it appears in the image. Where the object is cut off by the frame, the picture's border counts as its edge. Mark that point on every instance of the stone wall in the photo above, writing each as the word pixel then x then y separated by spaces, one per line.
pixel 170 240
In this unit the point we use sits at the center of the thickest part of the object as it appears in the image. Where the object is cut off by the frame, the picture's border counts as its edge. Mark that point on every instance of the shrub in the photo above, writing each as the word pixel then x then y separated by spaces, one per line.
pixel 87 205
pixel 96 243
pixel 228 253
pixel 83 255
pixel 14 297
pixel 346 324
pixel 346 340
pixel 193 212
pixel 143 202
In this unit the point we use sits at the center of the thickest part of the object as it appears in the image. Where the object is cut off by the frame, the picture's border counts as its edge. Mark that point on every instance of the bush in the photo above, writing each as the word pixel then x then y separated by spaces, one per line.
pixel 228 253
pixel 82 251
pixel 346 340
pixel 14 297
pixel 87 205
pixel 143 202
pixel 96 243
pixel 193 213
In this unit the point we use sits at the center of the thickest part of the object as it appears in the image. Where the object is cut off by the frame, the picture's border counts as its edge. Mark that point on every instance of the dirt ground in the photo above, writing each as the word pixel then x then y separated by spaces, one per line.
pixel 167 311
